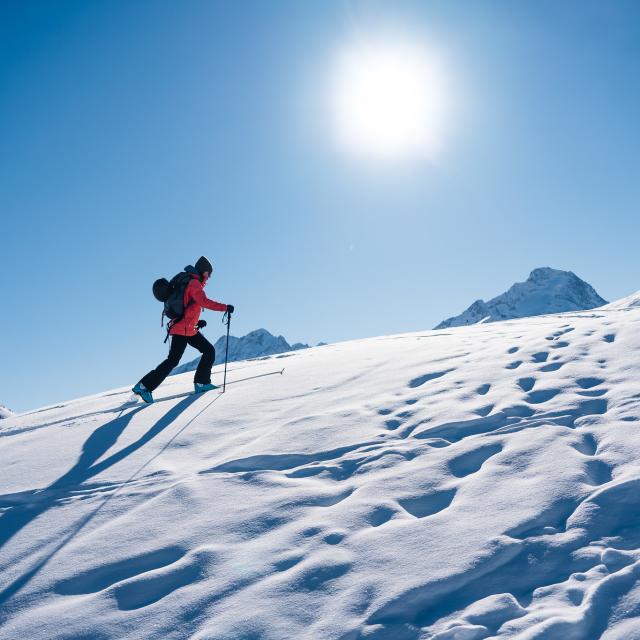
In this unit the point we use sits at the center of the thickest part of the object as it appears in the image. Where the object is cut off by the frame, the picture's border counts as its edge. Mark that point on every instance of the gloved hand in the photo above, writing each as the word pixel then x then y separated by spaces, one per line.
pixel 201 324
pixel 230 308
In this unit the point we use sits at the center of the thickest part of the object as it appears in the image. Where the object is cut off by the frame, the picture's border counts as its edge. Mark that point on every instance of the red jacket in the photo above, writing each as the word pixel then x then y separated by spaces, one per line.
pixel 194 301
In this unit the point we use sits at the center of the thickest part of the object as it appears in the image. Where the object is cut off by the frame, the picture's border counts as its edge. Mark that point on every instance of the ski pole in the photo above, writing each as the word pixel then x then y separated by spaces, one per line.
pixel 226 353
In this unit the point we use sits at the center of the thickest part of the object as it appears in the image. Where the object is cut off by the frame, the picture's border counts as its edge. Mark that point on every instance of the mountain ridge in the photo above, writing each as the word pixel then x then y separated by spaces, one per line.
pixel 255 344
pixel 546 290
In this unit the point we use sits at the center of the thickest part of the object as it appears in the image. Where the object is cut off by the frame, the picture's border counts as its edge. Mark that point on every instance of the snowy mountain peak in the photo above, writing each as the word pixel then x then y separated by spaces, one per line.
pixel 546 273
pixel 5 412
pixel 255 344
pixel 546 290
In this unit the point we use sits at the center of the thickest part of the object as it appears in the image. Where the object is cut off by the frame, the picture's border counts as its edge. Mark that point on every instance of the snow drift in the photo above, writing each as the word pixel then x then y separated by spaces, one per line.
pixel 626 303
pixel 479 482
pixel 546 290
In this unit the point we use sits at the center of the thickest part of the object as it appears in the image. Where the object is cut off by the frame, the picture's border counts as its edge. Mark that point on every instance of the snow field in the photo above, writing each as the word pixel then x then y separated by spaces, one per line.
pixel 462 484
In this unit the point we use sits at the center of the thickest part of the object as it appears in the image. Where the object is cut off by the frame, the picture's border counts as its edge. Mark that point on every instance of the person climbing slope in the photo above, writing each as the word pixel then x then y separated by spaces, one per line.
pixel 185 328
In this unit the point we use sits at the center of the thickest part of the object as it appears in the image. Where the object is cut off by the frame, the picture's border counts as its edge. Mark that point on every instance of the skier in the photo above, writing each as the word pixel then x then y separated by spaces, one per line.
pixel 185 331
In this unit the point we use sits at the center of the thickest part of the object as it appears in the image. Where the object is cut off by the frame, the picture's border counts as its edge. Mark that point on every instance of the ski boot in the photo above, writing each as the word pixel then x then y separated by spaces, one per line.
pixel 200 388
pixel 143 392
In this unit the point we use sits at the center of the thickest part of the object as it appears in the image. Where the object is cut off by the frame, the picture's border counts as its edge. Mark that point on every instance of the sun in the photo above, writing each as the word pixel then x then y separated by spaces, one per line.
pixel 389 100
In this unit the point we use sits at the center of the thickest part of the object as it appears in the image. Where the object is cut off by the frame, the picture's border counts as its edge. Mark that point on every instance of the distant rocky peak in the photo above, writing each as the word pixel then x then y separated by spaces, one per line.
pixel 255 344
pixel 546 290
pixel 5 412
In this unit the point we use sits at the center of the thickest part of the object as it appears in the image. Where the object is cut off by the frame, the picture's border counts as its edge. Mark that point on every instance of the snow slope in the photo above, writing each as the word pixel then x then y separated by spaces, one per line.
pixel 479 482
pixel 255 344
pixel 625 303
pixel 546 290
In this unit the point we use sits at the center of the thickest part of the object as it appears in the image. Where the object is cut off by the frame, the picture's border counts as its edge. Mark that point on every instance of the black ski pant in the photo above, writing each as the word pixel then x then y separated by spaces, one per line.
pixel 154 378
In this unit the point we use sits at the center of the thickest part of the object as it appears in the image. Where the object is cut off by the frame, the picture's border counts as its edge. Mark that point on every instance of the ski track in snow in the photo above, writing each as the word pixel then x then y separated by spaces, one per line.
pixel 477 483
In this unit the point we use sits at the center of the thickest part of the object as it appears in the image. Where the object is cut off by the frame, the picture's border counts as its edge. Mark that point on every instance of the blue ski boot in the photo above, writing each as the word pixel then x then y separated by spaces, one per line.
pixel 200 388
pixel 143 392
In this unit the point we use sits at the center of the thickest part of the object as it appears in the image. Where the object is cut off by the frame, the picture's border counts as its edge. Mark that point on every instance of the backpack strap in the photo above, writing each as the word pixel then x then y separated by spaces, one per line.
pixel 169 325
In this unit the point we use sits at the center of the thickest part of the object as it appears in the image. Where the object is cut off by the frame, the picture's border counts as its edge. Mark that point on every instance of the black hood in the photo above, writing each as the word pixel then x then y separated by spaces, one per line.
pixel 203 265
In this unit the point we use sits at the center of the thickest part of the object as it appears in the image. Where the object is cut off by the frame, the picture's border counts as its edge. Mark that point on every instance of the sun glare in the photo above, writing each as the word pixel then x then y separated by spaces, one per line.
pixel 389 101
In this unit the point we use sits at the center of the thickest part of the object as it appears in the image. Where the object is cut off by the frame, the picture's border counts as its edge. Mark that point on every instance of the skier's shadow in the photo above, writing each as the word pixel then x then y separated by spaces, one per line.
pixel 86 467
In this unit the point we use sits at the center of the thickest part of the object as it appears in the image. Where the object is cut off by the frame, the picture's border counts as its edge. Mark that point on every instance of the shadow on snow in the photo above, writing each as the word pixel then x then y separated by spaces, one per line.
pixel 86 467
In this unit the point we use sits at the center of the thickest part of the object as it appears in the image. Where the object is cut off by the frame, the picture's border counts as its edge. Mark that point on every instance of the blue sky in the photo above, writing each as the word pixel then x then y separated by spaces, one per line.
pixel 136 135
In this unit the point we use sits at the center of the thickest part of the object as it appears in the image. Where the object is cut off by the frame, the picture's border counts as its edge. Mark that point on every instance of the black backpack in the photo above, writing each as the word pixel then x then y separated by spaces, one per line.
pixel 171 292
